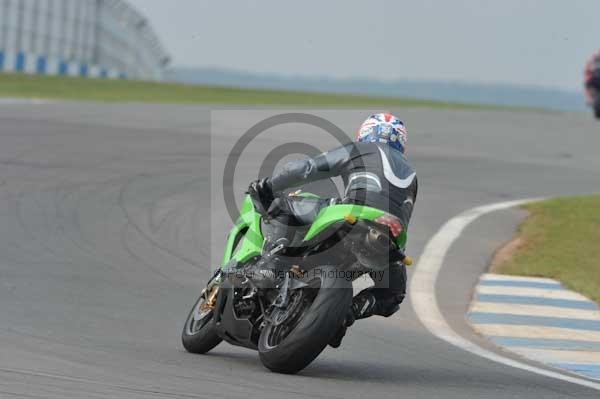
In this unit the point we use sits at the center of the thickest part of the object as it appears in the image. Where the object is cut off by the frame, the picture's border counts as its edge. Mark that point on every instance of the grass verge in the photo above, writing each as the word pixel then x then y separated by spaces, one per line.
pixel 560 240
pixel 66 88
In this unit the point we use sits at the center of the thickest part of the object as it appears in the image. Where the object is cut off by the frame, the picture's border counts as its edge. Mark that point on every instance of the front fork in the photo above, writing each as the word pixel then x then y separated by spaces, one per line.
pixel 210 292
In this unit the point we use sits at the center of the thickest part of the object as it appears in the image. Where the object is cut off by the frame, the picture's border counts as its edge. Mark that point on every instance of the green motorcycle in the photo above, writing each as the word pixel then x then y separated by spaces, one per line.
pixel 285 288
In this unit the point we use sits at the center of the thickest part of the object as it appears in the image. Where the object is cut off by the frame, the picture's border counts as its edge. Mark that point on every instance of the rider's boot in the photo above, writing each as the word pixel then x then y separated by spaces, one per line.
pixel 336 341
pixel 363 306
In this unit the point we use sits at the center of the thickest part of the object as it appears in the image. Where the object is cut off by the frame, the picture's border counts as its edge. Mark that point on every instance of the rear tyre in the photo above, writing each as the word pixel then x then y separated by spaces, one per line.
pixel 291 346
pixel 199 333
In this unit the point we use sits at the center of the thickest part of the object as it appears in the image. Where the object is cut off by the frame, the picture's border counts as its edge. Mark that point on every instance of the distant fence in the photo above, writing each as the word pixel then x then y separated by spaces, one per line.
pixel 88 38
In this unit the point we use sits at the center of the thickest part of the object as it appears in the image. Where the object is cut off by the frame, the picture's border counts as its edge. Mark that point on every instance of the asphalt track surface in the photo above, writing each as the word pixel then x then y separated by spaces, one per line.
pixel 104 243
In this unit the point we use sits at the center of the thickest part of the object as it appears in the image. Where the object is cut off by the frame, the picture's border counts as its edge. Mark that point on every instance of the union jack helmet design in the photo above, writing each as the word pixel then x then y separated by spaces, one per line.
pixel 384 128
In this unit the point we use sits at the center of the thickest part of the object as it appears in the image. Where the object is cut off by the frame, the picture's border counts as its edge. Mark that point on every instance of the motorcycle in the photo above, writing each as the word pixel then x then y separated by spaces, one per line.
pixel 284 288
pixel 592 85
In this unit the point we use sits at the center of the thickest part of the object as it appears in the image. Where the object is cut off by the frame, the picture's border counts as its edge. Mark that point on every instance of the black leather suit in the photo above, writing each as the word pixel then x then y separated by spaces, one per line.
pixel 375 175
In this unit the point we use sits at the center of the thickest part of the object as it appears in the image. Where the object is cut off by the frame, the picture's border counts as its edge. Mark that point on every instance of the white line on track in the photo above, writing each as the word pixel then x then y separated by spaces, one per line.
pixel 501 277
pixel 534 310
pixel 424 300
pixel 531 292
pixel 535 332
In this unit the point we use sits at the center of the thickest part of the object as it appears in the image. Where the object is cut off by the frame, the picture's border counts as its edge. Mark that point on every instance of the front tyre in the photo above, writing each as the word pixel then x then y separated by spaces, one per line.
pixel 316 315
pixel 199 334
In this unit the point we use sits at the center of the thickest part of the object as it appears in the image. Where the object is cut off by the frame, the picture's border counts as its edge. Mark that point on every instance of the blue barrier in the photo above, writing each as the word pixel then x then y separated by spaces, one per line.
pixel 83 70
pixel 41 65
pixel 63 68
pixel 20 63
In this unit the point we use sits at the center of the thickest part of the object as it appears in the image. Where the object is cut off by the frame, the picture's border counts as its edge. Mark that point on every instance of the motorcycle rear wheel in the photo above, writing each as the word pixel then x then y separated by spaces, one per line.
pixel 292 345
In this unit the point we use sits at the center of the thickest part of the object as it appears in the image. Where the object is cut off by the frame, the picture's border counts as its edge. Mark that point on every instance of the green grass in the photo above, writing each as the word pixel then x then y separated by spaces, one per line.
pixel 561 240
pixel 78 89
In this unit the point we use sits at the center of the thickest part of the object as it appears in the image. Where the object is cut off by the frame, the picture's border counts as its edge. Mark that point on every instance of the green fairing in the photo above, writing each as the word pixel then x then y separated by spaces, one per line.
pixel 335 213
pixel 401 240
pixel 252 242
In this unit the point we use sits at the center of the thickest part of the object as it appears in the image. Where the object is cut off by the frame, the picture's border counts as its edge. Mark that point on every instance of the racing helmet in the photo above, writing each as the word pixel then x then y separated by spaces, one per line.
pixel 383 128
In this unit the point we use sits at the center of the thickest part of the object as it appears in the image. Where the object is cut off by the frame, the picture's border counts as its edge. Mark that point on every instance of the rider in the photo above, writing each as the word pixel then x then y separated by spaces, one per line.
pixel 375 173
pixel 592 81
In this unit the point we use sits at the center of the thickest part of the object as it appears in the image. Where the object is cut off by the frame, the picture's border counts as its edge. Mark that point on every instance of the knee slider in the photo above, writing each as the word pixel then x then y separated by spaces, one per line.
pixel 389 306
pixel 389 310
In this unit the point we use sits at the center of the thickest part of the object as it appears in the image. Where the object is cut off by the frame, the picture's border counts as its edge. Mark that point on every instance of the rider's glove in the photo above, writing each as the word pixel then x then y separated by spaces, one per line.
pixel 263 191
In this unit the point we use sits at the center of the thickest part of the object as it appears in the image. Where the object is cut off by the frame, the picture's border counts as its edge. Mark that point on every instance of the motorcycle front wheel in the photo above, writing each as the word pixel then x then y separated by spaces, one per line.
pixel 199 333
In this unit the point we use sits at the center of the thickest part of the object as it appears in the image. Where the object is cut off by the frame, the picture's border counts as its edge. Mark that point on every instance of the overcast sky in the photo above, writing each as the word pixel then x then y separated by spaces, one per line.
pixel 527 42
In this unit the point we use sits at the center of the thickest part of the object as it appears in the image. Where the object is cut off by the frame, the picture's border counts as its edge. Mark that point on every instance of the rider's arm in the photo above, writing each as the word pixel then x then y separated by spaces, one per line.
pixel 408 206
pixel 326 165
